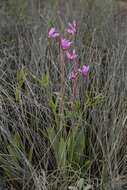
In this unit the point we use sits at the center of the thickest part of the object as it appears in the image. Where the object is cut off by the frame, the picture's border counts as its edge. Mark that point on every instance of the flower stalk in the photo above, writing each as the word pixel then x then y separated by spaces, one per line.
pixel 62 83
pixel 71 55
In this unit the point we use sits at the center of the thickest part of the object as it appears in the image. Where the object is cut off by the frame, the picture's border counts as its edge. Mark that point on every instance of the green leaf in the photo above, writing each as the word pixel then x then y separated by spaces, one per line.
pixel 87 164
pixel 53 103
pixel 54 140
pixel 79 145
pixel 51 133
pixel 13 153
pixel 30 154
pixel 44 82
pixel 21 77
pixel 71 145
pixel 17 94
pixel 62 152
pixel 17 139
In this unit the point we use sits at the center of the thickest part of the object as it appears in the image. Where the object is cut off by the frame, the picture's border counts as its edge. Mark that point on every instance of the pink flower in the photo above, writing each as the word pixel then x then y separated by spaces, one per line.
pixel 74 73
pixel 71 55
pixel 65 44
pixel 53 33
pixel 84 70
pixel 72 27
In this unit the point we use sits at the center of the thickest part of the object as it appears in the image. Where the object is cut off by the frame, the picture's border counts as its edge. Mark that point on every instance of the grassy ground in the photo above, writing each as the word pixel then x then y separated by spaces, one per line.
pixel 88 149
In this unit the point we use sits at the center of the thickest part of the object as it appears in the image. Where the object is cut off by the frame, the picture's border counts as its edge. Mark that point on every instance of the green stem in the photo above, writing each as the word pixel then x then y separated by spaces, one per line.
pixel 62 86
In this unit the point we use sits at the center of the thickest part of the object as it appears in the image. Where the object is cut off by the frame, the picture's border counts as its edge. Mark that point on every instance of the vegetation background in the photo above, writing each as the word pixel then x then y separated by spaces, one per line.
pixel 93 154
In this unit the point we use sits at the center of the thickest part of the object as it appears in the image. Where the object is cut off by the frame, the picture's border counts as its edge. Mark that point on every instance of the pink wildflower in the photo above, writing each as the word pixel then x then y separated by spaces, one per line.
pixel 71 55
pixel 53 33
pixel 72 27
pixel 73 76
pixel 84 70
pixel 74 73
pixel 65 44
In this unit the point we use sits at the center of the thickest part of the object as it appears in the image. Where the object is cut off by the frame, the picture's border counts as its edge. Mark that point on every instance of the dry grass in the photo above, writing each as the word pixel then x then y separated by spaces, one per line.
pixel 27 160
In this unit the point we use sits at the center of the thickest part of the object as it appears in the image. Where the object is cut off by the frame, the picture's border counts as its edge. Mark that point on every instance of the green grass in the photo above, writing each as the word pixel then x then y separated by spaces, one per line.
pixel 89 151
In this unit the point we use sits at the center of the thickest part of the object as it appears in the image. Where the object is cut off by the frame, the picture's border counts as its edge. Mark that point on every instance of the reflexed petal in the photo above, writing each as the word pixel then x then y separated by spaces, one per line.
pixel 84 70
pixel 65 44
pixel 72 27
pixel 71 55
pixel 53 33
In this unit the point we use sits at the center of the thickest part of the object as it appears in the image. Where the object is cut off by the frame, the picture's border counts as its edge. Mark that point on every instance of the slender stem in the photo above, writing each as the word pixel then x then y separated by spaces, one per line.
pixel 74 86
pixel 62 85
pixel 74 82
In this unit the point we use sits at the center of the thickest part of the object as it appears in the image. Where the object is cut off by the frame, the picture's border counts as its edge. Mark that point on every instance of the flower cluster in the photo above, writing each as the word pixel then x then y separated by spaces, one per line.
pixel 65 44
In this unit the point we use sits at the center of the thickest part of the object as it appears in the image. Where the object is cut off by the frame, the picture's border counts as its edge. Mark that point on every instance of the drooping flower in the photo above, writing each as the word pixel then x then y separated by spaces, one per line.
pixel 73 76
pixel 84 70
pixel 74 73
pixel 65 44
pixel 72 27
pixel 71 55
pixel 53 33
